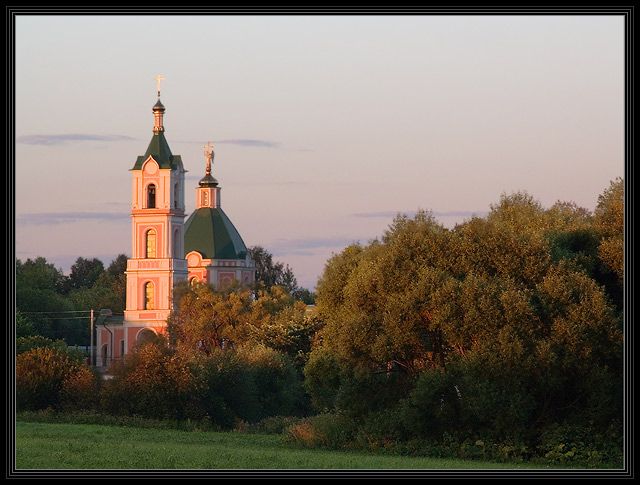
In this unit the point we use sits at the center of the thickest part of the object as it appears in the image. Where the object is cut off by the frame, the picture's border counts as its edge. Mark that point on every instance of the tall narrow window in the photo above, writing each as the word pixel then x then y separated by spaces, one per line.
pixel 149 296
pixel 175 196
pixel 176 242
pixel 151 243
pixel 151 196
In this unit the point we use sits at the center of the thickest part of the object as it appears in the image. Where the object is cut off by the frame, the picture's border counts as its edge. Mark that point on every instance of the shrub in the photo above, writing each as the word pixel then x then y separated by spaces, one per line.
pixel 80 390
pixel 433 407
pixel 278 386
pixel 365 391
pixel 382 430
pixel 322 379
pixel 44 376
pixel 274 425
pixel 152 382
pixel 578 444
pixel 330 430
pixel 226 392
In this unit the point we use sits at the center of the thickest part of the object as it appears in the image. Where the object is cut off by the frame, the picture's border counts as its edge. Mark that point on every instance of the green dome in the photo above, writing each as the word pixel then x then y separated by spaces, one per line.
pixel 211 233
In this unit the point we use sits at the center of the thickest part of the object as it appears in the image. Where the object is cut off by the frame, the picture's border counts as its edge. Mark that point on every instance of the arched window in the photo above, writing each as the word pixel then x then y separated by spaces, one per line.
pixel 176 243
pixel 146 335
pixel 151 196
pixel 149 296
pixel 151 243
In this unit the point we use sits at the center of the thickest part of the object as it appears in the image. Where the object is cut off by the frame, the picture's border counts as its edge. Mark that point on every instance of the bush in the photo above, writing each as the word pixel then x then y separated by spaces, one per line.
pixel 322 379
pixel 152 382
pixel 330 430
pixel 363 392
pixel 433 407
pixel 274 425
pixel 46 376
pixel 226 392
pixel 383 430
pixel 80 391
pixel 579 445
pixel 278 386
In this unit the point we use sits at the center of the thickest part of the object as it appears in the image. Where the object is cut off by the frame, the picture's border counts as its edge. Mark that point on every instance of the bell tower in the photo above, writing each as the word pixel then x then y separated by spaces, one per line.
pixel 157 228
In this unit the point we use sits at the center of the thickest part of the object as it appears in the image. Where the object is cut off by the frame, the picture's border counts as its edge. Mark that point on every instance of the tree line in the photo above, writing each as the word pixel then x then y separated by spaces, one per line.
pixel 506 329
pixel 55 305
pixel 230 355
pixel 500 338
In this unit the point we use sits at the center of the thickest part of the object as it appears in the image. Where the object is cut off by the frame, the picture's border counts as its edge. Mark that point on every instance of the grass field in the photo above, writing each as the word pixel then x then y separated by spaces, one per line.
pixel 79 446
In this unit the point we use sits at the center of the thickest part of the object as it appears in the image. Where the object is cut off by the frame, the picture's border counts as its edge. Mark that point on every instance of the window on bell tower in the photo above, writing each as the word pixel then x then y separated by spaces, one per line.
pixel 150 244
pixel 149 296
pixel 151 196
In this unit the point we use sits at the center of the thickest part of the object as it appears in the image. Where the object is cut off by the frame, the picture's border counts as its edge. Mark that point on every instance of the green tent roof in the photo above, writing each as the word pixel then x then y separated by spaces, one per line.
pixel 211 233
pixel 161 153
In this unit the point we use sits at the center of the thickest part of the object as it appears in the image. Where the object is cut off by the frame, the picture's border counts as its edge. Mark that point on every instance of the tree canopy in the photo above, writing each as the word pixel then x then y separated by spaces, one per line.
pixel 526 299
pixel 54 305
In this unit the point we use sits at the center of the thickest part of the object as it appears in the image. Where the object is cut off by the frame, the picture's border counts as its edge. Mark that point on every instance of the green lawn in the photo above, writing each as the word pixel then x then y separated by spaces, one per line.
pixel 80 446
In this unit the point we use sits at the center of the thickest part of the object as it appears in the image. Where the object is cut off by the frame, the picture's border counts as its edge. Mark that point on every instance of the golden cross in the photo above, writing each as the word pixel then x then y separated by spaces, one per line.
pixel 159 79
pixel 209 155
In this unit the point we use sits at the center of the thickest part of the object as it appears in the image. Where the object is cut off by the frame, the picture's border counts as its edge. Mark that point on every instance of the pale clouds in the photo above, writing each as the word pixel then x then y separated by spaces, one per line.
pixel 308 246
pixel 251 143
pixel 51 218
pixel 63 139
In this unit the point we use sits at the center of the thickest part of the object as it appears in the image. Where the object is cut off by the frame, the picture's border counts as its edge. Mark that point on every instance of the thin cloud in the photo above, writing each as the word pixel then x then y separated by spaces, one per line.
pixel 62 139
pixel 53 218
pixel 251 143
pixel 308 246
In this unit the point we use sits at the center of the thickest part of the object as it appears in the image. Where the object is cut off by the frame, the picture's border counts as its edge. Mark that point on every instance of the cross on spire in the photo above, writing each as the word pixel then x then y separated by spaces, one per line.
pixel 209 155
pixel 159 79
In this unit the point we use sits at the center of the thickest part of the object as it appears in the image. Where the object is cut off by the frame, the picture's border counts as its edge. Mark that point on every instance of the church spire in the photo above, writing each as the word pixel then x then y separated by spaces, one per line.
pixel 158 110
pixel 208 180
pixel 208 192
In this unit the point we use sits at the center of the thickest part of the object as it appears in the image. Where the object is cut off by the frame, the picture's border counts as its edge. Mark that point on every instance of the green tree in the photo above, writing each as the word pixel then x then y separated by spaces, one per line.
pixel 508 243
pixel 278 388
pixel 85 272
pixel 48 312
pixel 208 319
pixel 118 282
pixel 24 326
pixel 38 274
pixel 322 379
pixel 378 302
pixel 108 289
pixel 289 329
pixel 276 273
pixel 609 217
pixel 504 320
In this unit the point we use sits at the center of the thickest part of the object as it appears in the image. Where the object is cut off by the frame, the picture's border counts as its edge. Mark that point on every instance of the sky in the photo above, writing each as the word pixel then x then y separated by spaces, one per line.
pixel 325 127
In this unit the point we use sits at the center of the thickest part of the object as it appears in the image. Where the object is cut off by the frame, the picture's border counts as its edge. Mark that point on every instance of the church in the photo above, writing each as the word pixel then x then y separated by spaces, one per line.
pixel 166 249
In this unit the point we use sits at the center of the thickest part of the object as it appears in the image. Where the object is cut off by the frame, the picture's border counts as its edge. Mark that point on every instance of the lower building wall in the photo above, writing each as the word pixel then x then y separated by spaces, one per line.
pixel 114 341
